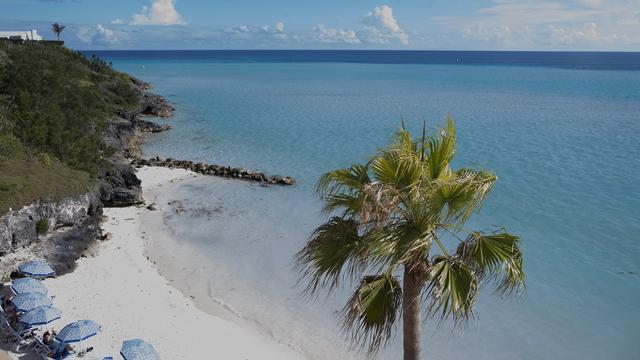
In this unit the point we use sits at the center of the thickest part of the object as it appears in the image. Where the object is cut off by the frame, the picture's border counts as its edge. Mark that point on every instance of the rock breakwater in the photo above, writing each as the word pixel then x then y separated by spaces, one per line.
pixel 216 170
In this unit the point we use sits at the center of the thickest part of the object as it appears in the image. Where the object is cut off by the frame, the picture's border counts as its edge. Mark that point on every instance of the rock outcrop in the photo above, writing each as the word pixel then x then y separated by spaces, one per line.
pixel 18 227
pixel 119 185
pixel 72 224
pixel 155 105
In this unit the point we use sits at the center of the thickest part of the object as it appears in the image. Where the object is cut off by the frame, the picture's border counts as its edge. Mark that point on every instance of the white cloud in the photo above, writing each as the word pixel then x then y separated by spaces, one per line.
pixel 489 34
pixel 587 34
pixel 261 34
pixel 596 4
pixel 161 12
pixel 117 21
pixel 100 35
pixel 332 35
pixel 380 27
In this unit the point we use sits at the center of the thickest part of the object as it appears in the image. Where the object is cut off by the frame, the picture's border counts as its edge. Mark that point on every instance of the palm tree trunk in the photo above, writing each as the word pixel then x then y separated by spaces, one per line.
pixel 411 327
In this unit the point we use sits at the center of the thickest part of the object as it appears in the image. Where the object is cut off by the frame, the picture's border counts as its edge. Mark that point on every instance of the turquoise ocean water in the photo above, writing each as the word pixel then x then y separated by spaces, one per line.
pixel 564 141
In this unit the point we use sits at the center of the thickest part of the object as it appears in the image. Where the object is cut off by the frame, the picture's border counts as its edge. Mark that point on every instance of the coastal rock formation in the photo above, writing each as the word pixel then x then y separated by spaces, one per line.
pixel 215 170
pixel 156 105
pixel 119 185
pixel 18 228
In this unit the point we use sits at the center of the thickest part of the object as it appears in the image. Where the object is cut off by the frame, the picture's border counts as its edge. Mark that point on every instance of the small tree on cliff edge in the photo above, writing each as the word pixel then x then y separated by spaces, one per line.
pixel 57 29
pixel 394 216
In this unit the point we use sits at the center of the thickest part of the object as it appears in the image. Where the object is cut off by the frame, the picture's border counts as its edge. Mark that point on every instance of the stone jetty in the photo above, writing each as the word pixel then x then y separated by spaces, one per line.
pixel 215 170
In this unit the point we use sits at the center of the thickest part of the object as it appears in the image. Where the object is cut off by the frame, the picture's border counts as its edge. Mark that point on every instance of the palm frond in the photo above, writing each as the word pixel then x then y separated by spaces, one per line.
pixel 458 196
pixel 393 168
pixel 441 150
pixel 496 257
pixel 451 289
pixel 333 252
pixel 343 180
pixel 392 246
pixel 370 314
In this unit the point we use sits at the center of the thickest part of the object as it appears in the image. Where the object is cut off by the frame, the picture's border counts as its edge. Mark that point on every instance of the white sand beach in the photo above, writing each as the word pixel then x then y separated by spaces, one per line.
pixel 117 286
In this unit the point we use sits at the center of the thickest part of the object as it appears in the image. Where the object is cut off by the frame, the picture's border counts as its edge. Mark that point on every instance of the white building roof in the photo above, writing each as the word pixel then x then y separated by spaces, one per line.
pixel 24 35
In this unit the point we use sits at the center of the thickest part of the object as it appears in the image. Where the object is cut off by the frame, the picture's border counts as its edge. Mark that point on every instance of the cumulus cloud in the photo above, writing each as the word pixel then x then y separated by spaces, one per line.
pixel 489 34
pixel 588 33
pixel 100 35
pixel 161 12
pixel 117 21
pixel 262 34
pixel 380 27
pixel 332 35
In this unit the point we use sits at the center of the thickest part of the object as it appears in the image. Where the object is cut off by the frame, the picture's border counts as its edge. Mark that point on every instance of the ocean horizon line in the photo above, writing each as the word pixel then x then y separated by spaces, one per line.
pixel 620 61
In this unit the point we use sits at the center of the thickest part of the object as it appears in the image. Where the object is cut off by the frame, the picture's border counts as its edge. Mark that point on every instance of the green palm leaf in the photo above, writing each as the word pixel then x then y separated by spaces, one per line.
pixel 371 312
pixel 457 197
pixel 441 150
pixel 334 246
pixel 495 257
pixel 452 288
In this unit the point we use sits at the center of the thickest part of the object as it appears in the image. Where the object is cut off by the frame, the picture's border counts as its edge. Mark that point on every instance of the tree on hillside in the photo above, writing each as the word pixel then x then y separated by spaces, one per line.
pixel 400 217
pixel 57 29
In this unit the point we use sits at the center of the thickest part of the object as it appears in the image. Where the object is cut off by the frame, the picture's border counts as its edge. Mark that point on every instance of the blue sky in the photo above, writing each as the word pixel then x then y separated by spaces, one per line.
pixel 333 24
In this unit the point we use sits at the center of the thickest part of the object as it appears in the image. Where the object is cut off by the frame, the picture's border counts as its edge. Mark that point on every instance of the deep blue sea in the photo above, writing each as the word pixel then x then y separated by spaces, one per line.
pixel 561 130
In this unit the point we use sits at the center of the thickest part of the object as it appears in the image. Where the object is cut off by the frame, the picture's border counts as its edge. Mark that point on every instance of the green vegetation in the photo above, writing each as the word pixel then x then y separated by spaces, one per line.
pixel 42 226
pixel 394 216
pixel 25 178
pixel 54 108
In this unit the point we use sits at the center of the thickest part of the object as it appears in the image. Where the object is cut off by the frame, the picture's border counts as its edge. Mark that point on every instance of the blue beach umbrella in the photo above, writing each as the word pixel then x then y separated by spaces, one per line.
pixel 36 268
pixel 41 316
pixel 29 301
pixel 28 285
pixel 78 331
pixel 137 349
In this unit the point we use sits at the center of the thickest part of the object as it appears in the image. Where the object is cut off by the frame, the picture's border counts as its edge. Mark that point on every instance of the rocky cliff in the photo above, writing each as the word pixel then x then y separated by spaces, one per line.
pixel 74 222
pixel 66 226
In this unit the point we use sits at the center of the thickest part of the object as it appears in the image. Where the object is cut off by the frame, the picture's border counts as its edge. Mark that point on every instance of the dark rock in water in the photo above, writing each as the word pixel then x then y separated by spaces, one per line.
pixel 286 181
pixel 152 206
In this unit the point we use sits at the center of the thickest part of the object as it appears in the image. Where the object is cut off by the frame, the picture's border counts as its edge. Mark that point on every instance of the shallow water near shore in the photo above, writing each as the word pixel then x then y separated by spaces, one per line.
pixel 564 143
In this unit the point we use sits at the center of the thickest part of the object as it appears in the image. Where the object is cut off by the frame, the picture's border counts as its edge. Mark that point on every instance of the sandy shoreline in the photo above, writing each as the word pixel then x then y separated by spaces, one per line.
pixel 122 290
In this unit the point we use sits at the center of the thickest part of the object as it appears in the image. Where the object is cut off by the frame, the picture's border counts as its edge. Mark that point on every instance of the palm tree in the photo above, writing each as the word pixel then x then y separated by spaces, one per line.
pixel 57 29
pixel 388 215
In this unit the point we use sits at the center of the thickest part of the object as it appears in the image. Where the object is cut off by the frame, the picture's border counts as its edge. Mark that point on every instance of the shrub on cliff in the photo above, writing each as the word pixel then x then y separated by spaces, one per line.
pixel 60 101
pixel 54 109
pixel 42 226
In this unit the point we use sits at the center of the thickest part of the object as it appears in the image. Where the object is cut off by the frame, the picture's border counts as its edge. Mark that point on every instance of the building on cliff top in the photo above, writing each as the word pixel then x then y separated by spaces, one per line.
pixel 21 35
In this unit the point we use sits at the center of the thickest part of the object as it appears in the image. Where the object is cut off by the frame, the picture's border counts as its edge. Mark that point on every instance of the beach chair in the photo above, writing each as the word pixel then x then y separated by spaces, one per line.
pixel 11 334
pixel 43 351
pixel 40 348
